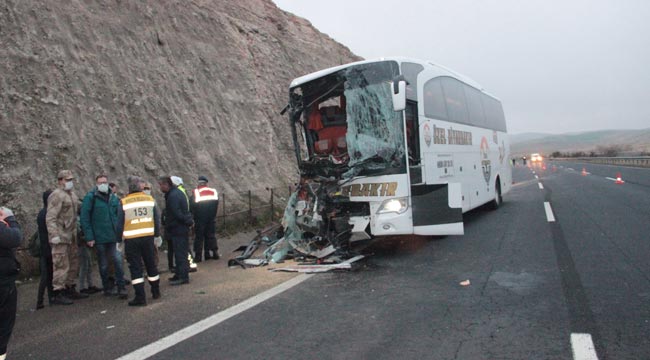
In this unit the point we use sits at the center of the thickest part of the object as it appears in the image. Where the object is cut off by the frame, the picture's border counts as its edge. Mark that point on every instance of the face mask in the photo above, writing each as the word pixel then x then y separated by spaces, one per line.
pixel 103 188
pixel 68 185
pixel 148 192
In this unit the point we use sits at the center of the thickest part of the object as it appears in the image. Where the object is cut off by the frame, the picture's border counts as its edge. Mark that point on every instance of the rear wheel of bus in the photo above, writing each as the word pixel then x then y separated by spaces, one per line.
pixel 498 199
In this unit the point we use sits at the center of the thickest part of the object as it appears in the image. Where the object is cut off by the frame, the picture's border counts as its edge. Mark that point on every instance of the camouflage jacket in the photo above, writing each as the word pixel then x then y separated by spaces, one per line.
pixel 61 217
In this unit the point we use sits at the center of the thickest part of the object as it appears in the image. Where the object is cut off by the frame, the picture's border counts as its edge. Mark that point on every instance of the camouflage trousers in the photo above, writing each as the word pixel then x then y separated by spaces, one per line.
pixel 65 265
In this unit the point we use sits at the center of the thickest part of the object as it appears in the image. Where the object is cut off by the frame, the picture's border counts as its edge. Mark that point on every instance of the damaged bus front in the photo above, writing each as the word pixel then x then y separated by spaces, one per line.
pixel 348 127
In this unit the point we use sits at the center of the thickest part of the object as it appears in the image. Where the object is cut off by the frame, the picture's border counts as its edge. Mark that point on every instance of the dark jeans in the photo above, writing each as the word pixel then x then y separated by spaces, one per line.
pixel 181 248
pixel 104 253
pixel 139 250
pixel 8 301
pixel 206 238
pixel 45 267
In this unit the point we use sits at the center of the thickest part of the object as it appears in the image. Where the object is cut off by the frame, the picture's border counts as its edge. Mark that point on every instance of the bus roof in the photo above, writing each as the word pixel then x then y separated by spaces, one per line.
pixel 426 64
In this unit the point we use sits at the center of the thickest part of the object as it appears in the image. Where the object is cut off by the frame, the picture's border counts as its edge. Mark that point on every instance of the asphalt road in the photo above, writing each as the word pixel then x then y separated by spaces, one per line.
pixel 532 284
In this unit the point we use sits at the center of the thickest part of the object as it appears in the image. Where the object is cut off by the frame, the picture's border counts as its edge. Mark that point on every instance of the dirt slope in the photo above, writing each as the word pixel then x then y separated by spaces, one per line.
pixel 149 87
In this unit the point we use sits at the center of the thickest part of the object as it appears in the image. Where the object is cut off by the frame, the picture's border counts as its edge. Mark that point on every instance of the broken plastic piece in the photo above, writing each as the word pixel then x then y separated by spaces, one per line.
pixel 465 283
pixel 346 265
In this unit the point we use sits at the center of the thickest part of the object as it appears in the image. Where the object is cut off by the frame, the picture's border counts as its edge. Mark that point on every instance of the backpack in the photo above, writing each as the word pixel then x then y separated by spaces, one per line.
pixel 34 245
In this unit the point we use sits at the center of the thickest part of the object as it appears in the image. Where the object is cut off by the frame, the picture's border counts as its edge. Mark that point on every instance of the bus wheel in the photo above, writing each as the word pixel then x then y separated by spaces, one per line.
pixel 498 199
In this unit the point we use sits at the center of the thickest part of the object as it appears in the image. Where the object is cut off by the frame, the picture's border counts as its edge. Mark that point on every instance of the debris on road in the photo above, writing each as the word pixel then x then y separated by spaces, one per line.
pixel 110 326
pixel 318 268
pixel 103 312
pixel 465 283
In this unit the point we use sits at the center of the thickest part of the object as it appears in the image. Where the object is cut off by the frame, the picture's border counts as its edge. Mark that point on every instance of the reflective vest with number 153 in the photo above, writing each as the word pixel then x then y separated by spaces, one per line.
pixel 138 215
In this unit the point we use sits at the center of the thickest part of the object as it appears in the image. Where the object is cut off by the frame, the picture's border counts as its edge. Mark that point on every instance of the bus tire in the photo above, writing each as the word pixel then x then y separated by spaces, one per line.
pixel 498 199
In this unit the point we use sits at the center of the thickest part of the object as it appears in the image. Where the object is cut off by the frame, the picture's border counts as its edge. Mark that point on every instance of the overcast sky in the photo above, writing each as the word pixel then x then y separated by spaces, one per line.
pixel 557 66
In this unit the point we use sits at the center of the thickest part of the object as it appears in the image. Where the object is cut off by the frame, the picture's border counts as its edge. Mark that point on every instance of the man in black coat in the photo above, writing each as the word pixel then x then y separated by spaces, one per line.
pixel 178 221
pixel 45 260
pixel 10 236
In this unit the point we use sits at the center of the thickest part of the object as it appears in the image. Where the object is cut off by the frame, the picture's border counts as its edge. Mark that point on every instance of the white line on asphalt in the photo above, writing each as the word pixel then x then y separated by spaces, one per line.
pixel 572 169
pixel 198 327
pixel 541 187
pixel 549 212
pixel 583 347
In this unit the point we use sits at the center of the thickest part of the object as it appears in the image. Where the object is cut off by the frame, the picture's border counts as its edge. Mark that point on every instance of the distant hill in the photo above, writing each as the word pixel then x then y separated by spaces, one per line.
pixel 630 141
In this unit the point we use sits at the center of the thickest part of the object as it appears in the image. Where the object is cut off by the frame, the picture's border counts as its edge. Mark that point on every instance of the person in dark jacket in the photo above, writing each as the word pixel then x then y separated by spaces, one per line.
pixel 10 236
pixel 205 202
pixel 45 260
pixel 178 221
pixel 99 223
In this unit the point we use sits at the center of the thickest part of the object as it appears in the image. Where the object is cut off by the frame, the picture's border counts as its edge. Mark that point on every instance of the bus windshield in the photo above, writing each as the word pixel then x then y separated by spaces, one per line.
pixel 344 123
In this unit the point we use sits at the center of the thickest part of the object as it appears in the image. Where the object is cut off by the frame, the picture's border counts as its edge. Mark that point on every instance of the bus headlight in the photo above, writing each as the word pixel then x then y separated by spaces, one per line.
pixel 399 205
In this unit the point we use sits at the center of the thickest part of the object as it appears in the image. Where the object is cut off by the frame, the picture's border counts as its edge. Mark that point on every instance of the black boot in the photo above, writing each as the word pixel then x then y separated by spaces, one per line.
pixel 139 299
pixel 155 289
pixel 121 293
pixel 60 299
pixel 72 293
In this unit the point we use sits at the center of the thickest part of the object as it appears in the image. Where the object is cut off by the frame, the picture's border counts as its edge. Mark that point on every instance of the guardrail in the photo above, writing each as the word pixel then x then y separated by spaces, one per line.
pixel 634 161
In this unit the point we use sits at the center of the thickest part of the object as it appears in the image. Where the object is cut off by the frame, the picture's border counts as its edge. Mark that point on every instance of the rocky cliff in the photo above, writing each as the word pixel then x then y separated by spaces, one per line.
pixel 149 87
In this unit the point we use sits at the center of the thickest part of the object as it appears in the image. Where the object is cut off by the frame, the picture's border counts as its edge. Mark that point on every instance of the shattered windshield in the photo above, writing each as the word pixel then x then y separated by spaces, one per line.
pixel 346 121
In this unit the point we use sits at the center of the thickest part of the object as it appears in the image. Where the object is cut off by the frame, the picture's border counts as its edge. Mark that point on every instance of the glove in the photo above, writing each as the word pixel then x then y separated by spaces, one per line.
pixel 157 241
pixel 55 240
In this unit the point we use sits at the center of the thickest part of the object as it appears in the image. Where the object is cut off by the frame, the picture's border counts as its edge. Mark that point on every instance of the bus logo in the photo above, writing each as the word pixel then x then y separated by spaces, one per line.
pixel 427 134
pixel 485 161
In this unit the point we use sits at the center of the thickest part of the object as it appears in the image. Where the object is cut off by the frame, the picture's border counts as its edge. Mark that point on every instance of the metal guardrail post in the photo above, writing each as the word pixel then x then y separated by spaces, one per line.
pixel 224 210
pixel 250 208
pixel 272 208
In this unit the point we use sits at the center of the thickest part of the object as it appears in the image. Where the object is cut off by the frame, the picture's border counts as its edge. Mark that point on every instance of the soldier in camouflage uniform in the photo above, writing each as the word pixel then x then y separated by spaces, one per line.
pixel 61 220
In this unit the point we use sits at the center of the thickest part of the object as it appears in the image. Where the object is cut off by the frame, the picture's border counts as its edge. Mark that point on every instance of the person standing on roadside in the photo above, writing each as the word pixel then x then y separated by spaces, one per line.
pixel 61 220
pixel 45 260
pixel 205 202
pixel 10 237
pixel 139 225
pixel 177 226
pixel 178 182
pixel 99 223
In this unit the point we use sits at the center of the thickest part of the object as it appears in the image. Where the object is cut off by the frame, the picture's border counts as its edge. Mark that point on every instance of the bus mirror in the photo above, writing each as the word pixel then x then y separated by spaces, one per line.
pixel 399 93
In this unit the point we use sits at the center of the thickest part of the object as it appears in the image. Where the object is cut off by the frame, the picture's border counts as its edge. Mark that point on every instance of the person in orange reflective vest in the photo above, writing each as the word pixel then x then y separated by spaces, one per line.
pixel 139 226
pixel 205 202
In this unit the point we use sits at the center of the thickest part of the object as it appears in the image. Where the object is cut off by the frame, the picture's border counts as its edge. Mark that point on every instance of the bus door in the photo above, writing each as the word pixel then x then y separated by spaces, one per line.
pixel 436 209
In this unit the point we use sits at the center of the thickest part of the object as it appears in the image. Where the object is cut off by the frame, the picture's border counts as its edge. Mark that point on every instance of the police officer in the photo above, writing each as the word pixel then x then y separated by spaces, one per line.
pixel 139 224
pixel 204 208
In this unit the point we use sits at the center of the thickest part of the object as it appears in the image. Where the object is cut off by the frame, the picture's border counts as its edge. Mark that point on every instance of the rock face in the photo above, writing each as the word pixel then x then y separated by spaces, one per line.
pixel 149 87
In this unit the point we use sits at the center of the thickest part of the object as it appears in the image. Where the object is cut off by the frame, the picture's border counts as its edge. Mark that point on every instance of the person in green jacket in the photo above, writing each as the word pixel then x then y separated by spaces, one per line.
pixel 99 225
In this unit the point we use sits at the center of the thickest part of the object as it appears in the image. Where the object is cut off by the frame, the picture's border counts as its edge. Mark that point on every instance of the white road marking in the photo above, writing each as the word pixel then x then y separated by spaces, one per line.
pixel 572 169
pixel 541 187
pixel 549 212
pixel 198 327
pixel 536 177
pixel 583 347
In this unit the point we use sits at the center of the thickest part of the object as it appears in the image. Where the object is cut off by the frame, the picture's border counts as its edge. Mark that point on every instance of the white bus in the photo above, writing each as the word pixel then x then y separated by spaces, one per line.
pixel 391 147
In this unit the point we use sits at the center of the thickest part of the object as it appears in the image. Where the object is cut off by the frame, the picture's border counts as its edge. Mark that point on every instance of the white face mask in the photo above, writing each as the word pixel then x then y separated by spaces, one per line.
pixel 148 192
pixel 102 188
pixel 68 185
